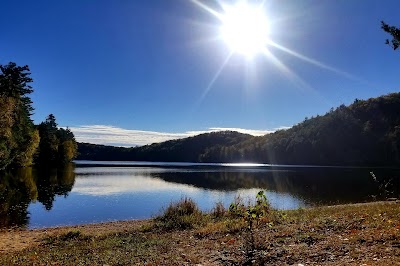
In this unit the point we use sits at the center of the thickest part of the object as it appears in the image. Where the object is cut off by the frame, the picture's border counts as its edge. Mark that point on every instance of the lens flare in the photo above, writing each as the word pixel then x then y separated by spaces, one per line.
pixel 245 28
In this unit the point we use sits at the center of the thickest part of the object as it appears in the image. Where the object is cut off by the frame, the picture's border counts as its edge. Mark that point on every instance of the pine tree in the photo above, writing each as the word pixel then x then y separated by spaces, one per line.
pixel 18 140
pixel 57 145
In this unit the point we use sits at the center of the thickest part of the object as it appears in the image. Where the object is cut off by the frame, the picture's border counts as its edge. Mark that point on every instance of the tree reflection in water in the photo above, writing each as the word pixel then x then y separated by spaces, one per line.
pixel 316 185
pixel 20 187
pixel 310 185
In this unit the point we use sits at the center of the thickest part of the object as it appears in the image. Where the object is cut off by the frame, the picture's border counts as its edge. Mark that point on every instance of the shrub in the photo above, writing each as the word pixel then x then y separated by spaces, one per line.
pixel 237 208
pixel 183 214
pixel 218 211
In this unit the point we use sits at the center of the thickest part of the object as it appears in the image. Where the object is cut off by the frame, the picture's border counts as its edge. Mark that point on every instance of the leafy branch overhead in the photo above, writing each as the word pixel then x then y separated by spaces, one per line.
pixel 395 32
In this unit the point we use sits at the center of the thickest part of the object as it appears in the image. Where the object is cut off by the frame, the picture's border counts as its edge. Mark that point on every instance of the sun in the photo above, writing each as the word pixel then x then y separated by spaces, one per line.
pixel 245 28
pixel 248 30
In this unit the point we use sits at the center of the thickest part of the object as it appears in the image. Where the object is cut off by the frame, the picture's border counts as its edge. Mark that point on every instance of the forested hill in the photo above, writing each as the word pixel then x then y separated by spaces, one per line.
pixel 365 133
pixel 180 150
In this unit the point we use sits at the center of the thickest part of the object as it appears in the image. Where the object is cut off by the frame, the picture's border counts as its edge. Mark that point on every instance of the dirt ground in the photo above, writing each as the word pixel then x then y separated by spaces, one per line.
pixel 13 240
pixel 359 234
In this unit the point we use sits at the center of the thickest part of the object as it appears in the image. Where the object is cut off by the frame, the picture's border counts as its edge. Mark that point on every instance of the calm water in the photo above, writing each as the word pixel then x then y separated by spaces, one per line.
pixel 90 192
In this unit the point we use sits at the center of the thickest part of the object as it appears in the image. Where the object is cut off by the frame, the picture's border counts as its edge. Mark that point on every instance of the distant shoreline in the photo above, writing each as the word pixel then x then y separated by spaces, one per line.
pixel 89 163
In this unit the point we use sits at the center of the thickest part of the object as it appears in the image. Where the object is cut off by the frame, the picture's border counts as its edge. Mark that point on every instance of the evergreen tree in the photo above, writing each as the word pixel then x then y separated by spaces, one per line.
pixel 57 145
pixel 48 147
pixel 18 140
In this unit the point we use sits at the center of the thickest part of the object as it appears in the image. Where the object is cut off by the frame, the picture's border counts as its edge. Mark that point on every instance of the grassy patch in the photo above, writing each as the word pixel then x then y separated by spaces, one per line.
pixel 181 215
pixel 72 249
pixel 65 237
pixel 219 211
pixel 363 234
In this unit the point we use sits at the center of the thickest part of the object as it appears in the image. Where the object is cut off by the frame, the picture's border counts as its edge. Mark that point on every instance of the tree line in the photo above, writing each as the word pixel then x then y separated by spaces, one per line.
pixel 367 132
pixel 180 150
pixel 22 143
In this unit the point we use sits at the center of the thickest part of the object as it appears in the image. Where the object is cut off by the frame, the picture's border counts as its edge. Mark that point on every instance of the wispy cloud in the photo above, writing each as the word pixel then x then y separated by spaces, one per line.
pixel 110 135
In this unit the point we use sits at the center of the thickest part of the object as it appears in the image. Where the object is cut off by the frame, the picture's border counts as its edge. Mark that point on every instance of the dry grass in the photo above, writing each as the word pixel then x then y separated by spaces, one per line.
pixel 180 215
pixel 218 211
pixel 361 234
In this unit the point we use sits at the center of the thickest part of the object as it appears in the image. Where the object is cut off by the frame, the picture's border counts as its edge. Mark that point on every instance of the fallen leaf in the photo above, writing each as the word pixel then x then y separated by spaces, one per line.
pixel 231 241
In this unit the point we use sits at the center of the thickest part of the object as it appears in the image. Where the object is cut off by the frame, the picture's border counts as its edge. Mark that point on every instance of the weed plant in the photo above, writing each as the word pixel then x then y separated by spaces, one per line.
pixel 181 215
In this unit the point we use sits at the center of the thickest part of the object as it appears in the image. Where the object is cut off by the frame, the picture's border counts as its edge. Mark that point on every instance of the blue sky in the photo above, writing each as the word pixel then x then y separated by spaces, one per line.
pixel 117 70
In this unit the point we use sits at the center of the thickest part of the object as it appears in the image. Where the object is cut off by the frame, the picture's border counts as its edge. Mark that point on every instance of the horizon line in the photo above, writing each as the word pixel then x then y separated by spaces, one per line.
pixel 119 137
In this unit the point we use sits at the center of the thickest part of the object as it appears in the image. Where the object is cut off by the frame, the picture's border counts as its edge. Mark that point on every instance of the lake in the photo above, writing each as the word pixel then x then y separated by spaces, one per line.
pixel 90 192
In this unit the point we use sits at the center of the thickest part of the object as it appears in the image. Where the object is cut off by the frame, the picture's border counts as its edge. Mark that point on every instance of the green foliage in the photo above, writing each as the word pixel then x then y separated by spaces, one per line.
pixel 18 140
pixel 237 208
pixel 253 215
pixel 67 147
pixel 259 210
pixel 25 158
pixel 14 83
pixel 395 32
pixel 57 145
pixel 48 148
